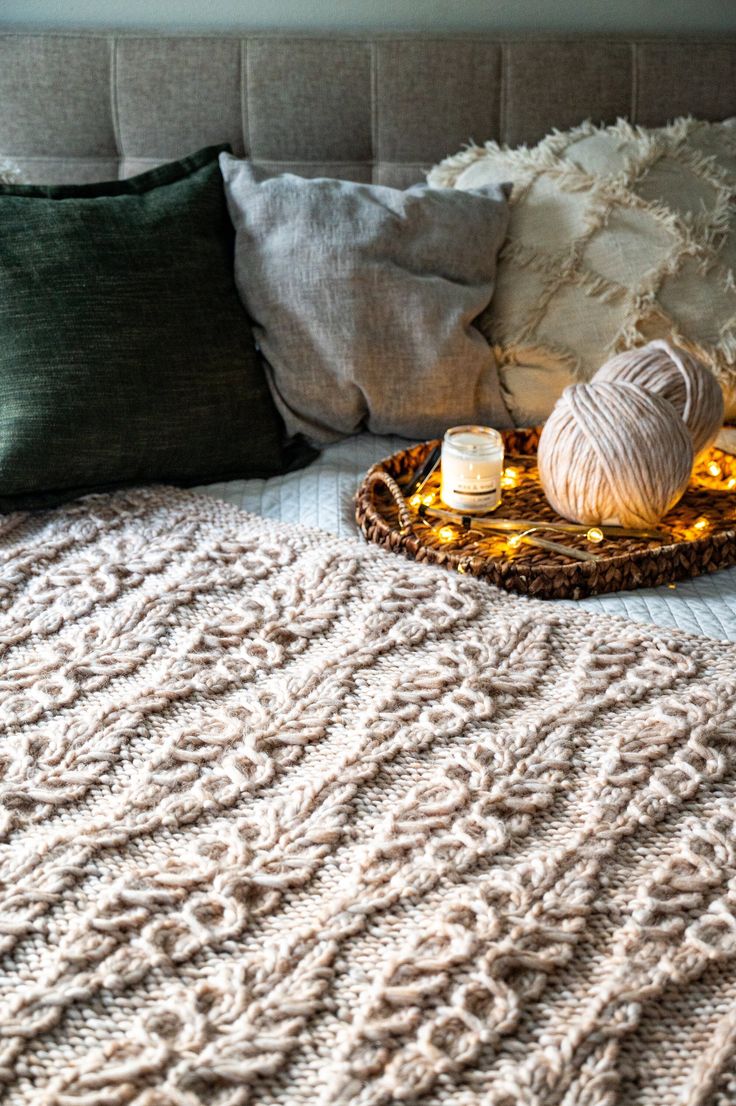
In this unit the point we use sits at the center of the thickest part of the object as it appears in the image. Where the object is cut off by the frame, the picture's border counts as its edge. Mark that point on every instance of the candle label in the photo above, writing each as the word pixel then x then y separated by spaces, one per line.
pixel 469 497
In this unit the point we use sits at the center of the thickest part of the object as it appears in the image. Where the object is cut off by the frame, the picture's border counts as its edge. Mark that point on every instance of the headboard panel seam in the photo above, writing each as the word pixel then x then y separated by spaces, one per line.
pixel 244 111
pixel 114 106
pixel 375 109
pixel 503 94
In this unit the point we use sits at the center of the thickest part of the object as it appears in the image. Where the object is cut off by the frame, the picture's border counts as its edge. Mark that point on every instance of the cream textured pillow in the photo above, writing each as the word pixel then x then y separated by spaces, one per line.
pixel 618 235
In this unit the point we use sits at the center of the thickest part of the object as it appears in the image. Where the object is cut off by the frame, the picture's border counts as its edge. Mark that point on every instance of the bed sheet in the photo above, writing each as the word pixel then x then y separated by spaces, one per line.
pixel 322 496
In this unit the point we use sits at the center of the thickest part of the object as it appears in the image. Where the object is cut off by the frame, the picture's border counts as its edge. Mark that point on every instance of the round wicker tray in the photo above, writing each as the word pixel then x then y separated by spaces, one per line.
pixel 700 531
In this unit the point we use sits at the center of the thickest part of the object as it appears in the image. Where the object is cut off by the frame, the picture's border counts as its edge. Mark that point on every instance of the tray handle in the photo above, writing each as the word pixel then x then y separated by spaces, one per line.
pixel 379 476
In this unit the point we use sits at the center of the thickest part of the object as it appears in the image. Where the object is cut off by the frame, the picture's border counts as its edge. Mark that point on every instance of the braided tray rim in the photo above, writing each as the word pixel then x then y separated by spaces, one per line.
pixel 624 564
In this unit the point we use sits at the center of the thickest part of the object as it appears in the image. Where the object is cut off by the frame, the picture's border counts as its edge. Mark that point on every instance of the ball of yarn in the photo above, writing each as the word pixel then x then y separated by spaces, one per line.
pixel 677 376
pixel 613 453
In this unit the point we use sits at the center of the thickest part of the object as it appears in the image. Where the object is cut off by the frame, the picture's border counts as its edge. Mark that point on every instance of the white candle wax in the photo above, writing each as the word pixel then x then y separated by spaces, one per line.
pixel 472 462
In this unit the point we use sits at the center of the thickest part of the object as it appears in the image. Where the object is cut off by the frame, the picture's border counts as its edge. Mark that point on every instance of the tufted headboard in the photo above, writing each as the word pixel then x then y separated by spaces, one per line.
pixel 85 107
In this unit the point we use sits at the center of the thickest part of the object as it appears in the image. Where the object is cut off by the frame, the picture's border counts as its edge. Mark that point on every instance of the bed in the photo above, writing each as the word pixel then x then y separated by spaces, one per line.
pixel 286 819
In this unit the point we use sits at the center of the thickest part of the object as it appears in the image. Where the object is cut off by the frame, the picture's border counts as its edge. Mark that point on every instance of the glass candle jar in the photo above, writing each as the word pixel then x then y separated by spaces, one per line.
pixel 472 463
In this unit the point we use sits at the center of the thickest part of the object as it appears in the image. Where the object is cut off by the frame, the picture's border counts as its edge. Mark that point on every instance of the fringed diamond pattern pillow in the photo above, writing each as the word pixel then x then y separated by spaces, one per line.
pixel 618 235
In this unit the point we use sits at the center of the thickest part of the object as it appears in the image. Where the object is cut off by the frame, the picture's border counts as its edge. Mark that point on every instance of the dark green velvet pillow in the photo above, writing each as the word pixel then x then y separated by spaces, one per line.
pixel 125 353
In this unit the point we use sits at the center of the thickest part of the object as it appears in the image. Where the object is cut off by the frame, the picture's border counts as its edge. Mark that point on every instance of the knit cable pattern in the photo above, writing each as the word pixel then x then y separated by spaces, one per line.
pixel 286 820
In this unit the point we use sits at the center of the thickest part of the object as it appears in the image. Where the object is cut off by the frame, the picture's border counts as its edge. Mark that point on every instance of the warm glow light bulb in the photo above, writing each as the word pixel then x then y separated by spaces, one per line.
pixel 595 534
pixel 715 469
pixel 415 500
pixel 446 533
pixel 514 541
pixel 428 500
pixel 731 483
pixel 701 524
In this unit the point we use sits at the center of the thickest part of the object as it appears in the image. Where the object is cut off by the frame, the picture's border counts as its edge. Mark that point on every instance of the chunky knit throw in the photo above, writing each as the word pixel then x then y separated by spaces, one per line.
pixel 287 820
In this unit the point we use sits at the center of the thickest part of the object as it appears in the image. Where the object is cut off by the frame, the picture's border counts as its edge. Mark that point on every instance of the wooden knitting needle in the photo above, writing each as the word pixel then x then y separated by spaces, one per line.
pixel 506 524
pixel 422 475
pixel 555 547
pixel 577 528
pixel 527 537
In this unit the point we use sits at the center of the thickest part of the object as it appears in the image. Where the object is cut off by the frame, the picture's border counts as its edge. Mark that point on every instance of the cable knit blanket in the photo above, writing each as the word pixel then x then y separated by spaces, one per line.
pixel 287 820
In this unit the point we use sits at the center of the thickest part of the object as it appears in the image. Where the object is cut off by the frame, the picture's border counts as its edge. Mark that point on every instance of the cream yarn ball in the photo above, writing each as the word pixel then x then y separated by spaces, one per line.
pixel 614 453
pixel 676 375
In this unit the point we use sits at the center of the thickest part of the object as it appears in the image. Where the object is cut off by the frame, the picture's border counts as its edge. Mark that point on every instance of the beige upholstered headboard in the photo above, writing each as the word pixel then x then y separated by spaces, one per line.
pixel 85 107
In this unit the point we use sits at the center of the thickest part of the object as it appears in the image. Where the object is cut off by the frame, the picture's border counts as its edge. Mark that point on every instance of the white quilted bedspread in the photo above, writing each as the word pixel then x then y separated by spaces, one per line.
pixel 322 496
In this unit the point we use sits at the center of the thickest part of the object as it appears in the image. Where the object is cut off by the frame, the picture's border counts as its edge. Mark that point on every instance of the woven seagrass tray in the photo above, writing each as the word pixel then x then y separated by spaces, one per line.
pixel 699 534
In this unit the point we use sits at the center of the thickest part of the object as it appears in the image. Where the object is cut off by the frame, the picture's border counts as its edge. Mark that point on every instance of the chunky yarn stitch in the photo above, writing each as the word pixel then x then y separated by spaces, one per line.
pixel 288 821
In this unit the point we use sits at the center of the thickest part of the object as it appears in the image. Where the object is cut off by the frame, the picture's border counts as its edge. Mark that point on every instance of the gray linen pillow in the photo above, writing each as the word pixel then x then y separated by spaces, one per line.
pixel 364 300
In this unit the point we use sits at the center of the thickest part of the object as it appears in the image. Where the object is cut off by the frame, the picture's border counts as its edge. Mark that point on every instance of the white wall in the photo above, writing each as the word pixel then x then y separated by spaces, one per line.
pixel 429 15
